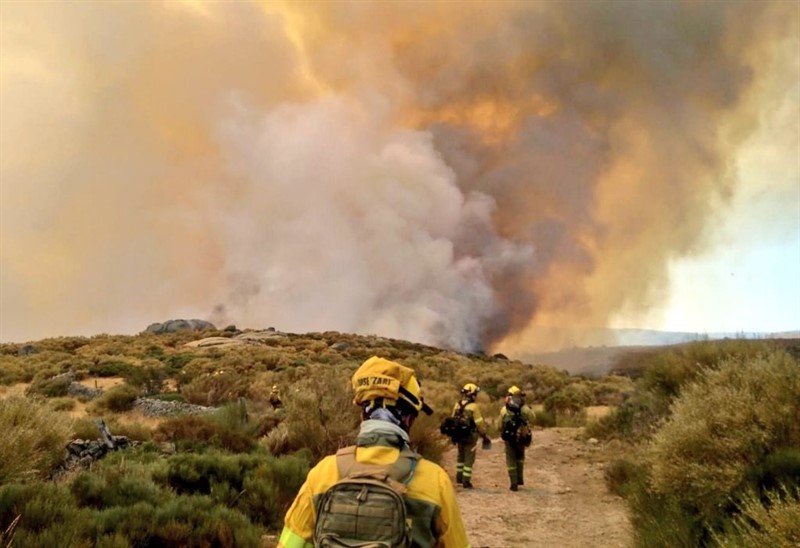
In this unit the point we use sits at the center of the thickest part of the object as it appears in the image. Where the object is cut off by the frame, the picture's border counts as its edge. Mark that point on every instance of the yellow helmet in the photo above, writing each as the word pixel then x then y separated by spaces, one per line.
pixel 514 390
pixel 379 378
pixel 470 389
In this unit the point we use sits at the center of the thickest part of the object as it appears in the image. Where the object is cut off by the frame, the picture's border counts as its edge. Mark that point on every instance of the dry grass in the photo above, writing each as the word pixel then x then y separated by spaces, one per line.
pixel 594 412
pixel 14 390
pixel 103 383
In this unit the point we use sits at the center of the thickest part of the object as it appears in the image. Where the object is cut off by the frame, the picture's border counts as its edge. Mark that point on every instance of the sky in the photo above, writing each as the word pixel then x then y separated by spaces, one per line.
pixel 462 174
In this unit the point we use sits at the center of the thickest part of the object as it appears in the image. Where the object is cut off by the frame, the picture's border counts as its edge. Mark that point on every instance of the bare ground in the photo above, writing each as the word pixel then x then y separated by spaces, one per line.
pixel 564 502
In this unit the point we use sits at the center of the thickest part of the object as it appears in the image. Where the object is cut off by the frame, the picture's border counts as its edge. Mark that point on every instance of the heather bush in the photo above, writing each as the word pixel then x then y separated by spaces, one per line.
pixel 187 432
pixel 182 521
pixel 62 404
pixel 33 439
pixel 12 370
pixel 47 512
pixel 259 485
pixel 637 418
pixel 568 404
pixel 319 415
pixel 544 419
pixel 111 486
pixel 772 519
pixel 732 430
pixel 730 419
pixel 117 399
pixel 49 388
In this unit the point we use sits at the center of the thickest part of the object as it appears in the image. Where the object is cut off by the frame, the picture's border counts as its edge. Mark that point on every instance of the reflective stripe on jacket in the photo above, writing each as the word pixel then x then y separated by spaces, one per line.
pixel 430 502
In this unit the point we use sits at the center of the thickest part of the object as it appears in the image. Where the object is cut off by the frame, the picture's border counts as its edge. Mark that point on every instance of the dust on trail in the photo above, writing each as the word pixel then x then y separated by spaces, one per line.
pixel 564 502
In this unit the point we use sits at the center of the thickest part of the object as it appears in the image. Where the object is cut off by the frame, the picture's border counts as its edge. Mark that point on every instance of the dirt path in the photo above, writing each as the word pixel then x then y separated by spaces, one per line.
pixel 564 502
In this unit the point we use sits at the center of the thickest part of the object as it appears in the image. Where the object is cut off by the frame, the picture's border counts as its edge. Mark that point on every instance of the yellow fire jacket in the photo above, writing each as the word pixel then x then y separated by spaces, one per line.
pixel 430 502
pixel 527 414
pixel 471 410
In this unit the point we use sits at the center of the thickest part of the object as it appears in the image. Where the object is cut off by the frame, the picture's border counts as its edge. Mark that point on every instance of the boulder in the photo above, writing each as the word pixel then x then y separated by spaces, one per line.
pixel 172 326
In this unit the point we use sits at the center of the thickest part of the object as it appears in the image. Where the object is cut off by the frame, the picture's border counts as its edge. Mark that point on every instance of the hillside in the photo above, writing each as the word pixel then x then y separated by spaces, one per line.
pixel 196 454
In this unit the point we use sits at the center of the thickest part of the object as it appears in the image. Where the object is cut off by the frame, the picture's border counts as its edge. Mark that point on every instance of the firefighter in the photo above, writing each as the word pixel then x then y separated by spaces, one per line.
pixel 275 398
pixel 467 410
pixel 517 420
pixel 390 399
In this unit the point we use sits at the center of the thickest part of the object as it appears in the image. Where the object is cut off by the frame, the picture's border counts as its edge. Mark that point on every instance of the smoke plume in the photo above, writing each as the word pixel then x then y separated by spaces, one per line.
pixel 450 173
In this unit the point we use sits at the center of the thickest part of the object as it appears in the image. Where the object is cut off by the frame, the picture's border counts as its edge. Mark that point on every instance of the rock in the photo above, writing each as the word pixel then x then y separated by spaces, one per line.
pixel 77 389
pixel 593 441
pixel 172 326
pixel 500 356
pixel 214 341
pixel 340 346
pixel 159 408
pixel 167 447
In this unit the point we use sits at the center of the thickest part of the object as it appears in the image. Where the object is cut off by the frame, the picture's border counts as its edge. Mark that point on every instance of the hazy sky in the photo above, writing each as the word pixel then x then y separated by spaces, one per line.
pixel 452 173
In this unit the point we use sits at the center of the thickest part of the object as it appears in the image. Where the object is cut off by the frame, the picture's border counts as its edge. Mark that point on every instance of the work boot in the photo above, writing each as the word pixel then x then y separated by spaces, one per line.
pixel 467 484
pixel 459 477
pixel 514 487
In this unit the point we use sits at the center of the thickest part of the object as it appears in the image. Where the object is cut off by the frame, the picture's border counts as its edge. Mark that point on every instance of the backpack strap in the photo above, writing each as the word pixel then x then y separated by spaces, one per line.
pixel 397 474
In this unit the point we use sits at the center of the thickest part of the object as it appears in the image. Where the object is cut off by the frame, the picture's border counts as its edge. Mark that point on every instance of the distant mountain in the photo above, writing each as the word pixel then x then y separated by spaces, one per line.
pixel 594 352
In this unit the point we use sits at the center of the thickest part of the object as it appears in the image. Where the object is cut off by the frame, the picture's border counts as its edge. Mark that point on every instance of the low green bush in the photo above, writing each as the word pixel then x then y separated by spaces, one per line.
pixel 117 399
pixel 50 388
pixel 187 431
pixel 770 519
pixel 544 419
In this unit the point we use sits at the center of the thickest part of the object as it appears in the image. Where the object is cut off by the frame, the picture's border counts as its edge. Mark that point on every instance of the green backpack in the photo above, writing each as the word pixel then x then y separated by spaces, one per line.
pixel 365 508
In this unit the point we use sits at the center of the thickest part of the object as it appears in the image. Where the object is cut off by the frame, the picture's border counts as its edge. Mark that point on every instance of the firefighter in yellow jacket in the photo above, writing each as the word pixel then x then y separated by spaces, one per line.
pixel 515 450
pixel 468 445
pixel 390 399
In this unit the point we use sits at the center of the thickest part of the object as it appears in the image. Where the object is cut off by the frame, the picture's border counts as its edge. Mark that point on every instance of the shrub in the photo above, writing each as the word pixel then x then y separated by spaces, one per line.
pixel 33 439
pixel 426 439
pixel 636 419
pixel 110 368
pixel 182 521
pixel 118 398
pixel 544 419
pixel 624 477
pixel 186 431
pixel 569 402
pixel 772 520
pixel 723 424
pixel 319 416
pixel 49 516
pixel 111 487
pixel 50 388
pixel 259 485
pixel 62 404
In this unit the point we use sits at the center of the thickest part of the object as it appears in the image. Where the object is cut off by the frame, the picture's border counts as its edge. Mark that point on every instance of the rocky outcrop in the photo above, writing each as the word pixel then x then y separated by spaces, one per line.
pixel 161 408
pixel 77 389
pixel 172 326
